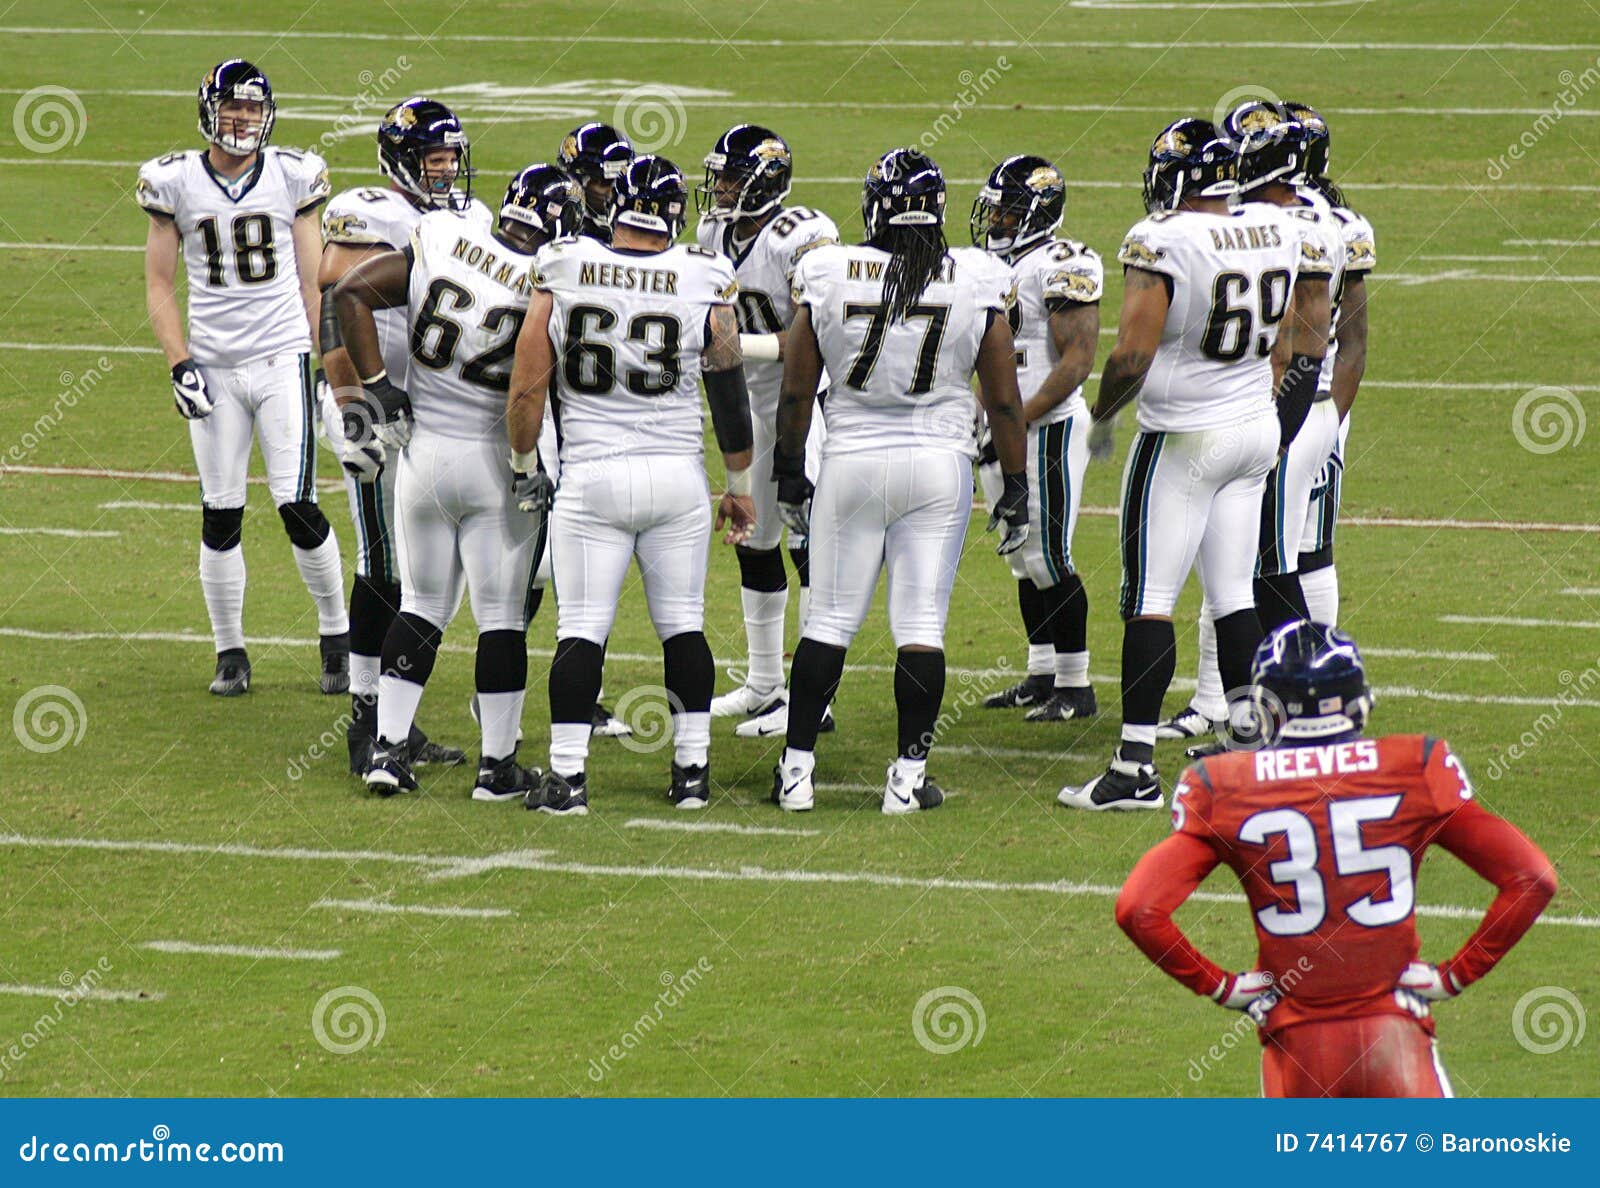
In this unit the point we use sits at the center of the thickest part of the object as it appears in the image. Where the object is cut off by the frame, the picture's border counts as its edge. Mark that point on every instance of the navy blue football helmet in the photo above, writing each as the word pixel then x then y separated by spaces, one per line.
pixel 651 195
pixel 1318 139
pixel 408 133
pixel 904 188
pixel 1190 158
pixel 1271 143
pixel 236 79
pixel 755 168
pixel 595 154
pixel 1020 204
pixel 1308 683
pixel 541 203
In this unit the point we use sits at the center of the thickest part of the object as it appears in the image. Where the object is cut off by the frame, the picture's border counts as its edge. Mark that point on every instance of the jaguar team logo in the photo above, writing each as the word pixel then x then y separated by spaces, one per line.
pixel 1044 178
pixel 771 149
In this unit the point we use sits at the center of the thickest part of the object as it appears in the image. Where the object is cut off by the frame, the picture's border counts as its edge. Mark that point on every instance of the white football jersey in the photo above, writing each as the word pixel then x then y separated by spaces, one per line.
pixel 376 217
pixel 1055 270
pixel 909 383
pixel 1230 278
pixel 629 328
pixel 238 252
pixel 1360 258
pixel 469 294
pixel 765 268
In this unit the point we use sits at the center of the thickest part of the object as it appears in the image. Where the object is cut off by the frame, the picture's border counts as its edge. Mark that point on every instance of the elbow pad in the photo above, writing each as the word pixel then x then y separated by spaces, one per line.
pixel 730 409
pixel 1296 391
pixel 329 338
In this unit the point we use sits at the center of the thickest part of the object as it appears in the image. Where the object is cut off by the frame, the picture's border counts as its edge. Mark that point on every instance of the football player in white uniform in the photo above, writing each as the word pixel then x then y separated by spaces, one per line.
pixel 465 285
pixel 423 153
pixel 620 337
pixel 1056 323
pixel 243 217
pixel 595 154
pixel 1204 290
pixel 748 173
pixel 901 323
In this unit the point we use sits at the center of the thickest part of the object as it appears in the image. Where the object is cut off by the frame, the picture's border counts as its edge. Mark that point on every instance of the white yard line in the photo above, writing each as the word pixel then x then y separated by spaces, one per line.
pixel 1429 654
pixel 1568 243
pixel 1513 621
pixel 92 993
pixel 154 476
pixel 1041 753
pixel 528 860
pixel 145 505
pixel 1582 591
pixel 379 907
pixel 1421 522
pixel 93 348
pixel 71 247
pixel 254 951
pixel 666 825
pixel 79 533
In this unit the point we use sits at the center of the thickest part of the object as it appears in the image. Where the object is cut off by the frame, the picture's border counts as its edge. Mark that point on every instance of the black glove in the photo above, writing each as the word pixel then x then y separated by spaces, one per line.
pixel 987 455
pixel 391 411
pixel 189 391
pixel 794 491
pixel 533 492
pixel 1011 509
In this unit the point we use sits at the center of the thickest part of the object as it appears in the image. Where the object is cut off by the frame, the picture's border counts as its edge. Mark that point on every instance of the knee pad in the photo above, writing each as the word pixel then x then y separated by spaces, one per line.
pixel 304 522
pixel 221 528
pixel 761 569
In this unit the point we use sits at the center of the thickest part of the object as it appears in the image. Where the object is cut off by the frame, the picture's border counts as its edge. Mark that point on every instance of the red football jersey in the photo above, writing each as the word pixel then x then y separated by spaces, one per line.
pixel 1326 841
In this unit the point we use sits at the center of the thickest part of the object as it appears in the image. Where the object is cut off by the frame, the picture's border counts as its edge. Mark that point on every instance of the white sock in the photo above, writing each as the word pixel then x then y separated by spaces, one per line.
pixel 324 578
pixel 1139 734
pixel 398 699
pixel 691 738
pixel 1321 588
pixel 1208 695
pixel 364 675
pixel 569 747
pixel 763 630
pixel 913 771
pixel 803 761
pixel 1041 659
pixel 805 605
pixel 222 583
pixel 500 716
pixel 1072 670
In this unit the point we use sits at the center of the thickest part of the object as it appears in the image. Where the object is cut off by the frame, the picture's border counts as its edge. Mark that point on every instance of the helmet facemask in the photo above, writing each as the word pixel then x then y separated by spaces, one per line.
pixel 238 133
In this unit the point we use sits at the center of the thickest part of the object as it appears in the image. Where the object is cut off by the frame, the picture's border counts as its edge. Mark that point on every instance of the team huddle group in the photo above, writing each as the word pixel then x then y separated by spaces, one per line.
pixel 516 398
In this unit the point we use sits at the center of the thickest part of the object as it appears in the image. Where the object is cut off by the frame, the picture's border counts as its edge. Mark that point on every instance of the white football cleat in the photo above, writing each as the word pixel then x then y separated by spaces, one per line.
pixel 792 789
pixel 776 721
pixel 747 702
pixel 907 794
pixel 1121 787
pixel 1186 723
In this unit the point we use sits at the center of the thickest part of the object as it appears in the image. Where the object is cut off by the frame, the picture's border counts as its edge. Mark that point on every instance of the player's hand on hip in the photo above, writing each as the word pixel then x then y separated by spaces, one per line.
pixel 1251 990
pixel 533 491
pixel 360 452
pixel 1011 510
pixel 1429 982
pixel 794 503
pixel 986 451
pixel 391 411
pixel 739 513
pixel 189 391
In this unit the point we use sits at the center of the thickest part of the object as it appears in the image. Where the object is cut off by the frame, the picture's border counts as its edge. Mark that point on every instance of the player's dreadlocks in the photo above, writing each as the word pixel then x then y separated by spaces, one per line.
pixel 916 255
pixel 902 207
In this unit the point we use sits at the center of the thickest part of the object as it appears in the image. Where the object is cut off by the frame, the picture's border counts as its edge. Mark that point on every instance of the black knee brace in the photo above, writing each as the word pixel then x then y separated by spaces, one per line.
pixel 761 569
pixel 304 522
pixel 221 527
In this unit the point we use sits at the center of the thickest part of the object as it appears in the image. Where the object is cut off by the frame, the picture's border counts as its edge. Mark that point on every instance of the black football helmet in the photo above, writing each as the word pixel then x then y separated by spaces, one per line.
pixel 1307 681
pixel 1319 141
pixel 541 203
pixel 595 154
pixel 236 79
pixel 408 133
pixel 754 169
pixel 1271 143
pixel 1190 158
pixel 1020 204
pixel 904 187
pixel 651 195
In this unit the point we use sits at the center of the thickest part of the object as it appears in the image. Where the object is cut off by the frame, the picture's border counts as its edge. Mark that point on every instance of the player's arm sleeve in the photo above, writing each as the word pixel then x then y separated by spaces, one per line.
pixel 312 187
pixel 156 193
pixel 1360 248
pixel 1165 877
pixel 817 232
pixel 1144 247
pixel 1078 280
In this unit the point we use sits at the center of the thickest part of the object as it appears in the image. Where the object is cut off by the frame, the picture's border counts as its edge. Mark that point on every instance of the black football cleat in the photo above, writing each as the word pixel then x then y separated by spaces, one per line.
pixel 233 673
pixel 1122 786
pixel 605 724
pixel 335 662
pixel 1031 690
pixel 504 779
pixel 560 796
pixel 427 753
pixel 691 787
pixel 390 770
pixel 1186 723
pixel 1065 705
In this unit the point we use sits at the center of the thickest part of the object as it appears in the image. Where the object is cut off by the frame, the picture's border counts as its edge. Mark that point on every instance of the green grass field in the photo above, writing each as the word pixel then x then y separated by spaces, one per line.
pixel 780 962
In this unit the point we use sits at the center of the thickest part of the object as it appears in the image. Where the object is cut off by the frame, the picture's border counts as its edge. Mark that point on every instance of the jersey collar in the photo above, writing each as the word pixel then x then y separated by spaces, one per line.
pixel 235 190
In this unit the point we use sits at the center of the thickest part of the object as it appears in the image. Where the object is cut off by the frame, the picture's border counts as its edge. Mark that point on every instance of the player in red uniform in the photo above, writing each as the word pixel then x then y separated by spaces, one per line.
pixel 1325 830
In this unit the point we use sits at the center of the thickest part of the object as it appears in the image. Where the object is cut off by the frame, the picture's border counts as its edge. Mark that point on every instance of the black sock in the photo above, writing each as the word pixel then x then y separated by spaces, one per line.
pixel 410 648
pixel 502 662
pixel 813 682
pixel 918 690
pixel 761 569
pixel 1035 614
pixel 1238 636
pixel 1279 600
pixel 373 606
pixel 802 564
pixel 575 680
pixel 1067 613
pixel 1149 658
pixel 535 598
pixel 690 672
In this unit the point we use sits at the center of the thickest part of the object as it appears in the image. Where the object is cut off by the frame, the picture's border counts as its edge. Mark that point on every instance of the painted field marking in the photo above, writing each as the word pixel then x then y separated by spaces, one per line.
pixel 76 533
pixel 524 860
pixel 1570 243
pixel 666 825
pixel 92 993
pixel 1042 753
pixel 97 349
pixel 254 951
pixel 1513 621
pixel 145 505
pixel 1582 591
pixel 71 247
pixel 1430 654
pixel 382 908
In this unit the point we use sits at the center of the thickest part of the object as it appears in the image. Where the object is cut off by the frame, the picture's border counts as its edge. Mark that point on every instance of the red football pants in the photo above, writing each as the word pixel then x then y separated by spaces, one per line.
pixel 1376 1056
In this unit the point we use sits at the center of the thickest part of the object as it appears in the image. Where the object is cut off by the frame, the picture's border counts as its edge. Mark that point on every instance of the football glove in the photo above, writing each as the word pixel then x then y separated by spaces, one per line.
pixel 986 451
pixel 1429 982
pixel 794 491
pixel 189 391
pixel 533 492
pixel 360 452
pixel 1103 439
pixel 1011 509
pixel 391 412
pixel 1243 991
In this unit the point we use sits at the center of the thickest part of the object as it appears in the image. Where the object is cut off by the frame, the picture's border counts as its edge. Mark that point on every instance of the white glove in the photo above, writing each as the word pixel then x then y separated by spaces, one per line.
pixel 189 391
pixel 1429 982
pixel 1242 991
